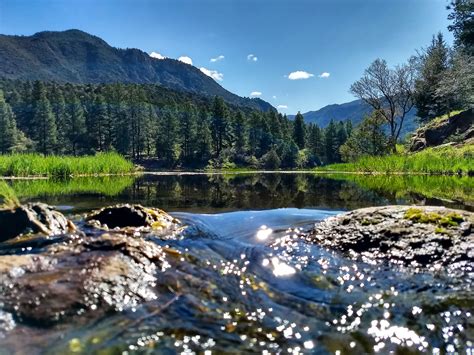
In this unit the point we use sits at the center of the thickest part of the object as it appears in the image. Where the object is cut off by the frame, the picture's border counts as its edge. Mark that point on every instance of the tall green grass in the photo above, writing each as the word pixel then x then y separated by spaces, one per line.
pixel 435 161
pixel 63 166
pixel 8 198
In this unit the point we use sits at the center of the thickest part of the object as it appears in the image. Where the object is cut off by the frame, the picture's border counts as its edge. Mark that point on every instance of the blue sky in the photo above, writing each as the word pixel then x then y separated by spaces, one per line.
pixel 310 37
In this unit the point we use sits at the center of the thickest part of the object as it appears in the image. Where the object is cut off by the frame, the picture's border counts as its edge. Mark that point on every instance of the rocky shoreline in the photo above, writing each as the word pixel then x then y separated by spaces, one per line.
pixel 54 271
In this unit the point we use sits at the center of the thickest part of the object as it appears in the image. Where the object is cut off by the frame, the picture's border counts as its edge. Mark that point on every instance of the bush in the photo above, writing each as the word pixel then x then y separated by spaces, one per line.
pixel 271 160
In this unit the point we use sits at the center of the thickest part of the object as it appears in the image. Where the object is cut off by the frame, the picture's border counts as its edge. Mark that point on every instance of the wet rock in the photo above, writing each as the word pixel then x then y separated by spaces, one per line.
pixel 31 219
pixel 425 236
pixel 82 277
pixel 125 215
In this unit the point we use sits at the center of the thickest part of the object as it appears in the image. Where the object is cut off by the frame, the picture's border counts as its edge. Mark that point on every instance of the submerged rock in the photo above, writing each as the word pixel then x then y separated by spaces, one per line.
pixel 423 235
pixel 125 215
pixel 31 219
pixel 82 277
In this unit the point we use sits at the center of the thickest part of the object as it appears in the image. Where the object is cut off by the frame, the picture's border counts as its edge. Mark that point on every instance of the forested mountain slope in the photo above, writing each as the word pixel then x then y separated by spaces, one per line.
pixel 77 57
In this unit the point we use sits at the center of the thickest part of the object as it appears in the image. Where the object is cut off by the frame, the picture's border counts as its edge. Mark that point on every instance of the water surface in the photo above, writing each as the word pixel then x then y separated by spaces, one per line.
pixel 248 283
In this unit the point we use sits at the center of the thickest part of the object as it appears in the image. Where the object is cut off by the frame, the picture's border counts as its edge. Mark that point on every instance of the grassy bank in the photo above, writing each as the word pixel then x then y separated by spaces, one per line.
pixel 435 161
pixel 22 165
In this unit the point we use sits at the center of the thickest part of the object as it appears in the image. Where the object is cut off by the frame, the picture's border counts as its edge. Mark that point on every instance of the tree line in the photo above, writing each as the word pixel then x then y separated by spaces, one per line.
pixel 150 122
pixel 436 81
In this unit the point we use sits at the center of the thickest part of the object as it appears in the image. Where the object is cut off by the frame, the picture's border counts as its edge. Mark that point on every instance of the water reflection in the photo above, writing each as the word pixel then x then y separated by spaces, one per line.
pixel 218 193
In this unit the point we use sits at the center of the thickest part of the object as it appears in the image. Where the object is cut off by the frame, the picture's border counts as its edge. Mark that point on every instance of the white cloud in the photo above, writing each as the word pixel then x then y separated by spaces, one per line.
pixel 214 74
pixel 299 74
pixel 255 93
pixel 324 75
pixel 217 59
pixel 157 55
pixel 274 97
pixel 282 107
pixel 252 58
pixel 186 59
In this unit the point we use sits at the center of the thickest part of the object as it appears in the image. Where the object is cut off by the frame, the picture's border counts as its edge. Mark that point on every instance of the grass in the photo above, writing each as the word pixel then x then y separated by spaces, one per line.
pixel 8 198
pixel 22 165
pixel 436 161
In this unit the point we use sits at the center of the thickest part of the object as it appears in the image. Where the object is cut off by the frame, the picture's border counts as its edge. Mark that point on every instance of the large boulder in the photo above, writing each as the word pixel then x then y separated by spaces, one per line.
pixel 125 215
pixel 458 128
pixel 82 278
pixel 421 235
pixel 32 218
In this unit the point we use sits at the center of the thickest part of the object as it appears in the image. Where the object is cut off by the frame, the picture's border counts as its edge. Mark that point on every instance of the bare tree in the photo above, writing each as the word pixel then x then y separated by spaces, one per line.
pixel 388 91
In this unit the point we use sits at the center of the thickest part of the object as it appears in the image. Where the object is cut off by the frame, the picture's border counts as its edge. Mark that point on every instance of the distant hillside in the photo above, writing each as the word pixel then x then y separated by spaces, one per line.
pixel 78 57
pixel 354 111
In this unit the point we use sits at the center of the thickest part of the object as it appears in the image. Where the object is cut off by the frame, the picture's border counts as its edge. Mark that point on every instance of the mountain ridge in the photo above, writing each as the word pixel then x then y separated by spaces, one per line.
pixel 355 111
pixel 78 57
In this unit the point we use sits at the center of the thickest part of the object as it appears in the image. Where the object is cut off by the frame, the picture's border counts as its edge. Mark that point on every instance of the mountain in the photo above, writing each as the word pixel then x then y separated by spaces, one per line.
pixel 77 57
pixel 354 111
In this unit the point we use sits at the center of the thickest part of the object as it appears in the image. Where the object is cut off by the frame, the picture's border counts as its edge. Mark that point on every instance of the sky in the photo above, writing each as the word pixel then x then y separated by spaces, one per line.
pixel 299 55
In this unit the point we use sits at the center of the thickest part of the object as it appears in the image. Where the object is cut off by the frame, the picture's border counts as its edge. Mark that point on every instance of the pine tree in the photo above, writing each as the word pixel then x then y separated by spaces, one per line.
pixel 188 132
pixel 463 24
pixel 8 130
pixel 76 127
pixel 45 133
pixel 341 138
pixel 241 134
pixel 204 139
pixel 434 62
pixel 58 106
pixel 167 145
pixel 315 141
pixel 289 157
pixel 97 126
pixel 151 127
pixel 219 125
pixel 330 143
pixel 299 131
pixel 349 128
pixel 274 122
pixel 368 138
pixel 254 134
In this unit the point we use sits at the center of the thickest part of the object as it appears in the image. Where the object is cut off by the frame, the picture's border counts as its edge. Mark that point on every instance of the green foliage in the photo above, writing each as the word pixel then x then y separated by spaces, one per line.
pixel 8 130
pixel 463 24
pixel 331 146
pixel 44 131
pixel 443 160
pixel 271 160
pixel 368 139
pixel 290 155
pixel 63 166
pixel 434 63
pixel 299 131
pixel 8 198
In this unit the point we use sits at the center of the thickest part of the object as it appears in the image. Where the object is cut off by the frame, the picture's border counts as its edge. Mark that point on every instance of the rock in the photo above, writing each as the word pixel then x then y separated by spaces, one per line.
pixel 458 128
pixel 83 277
pixel 421 235
pixel 125 215
pixel 31 219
